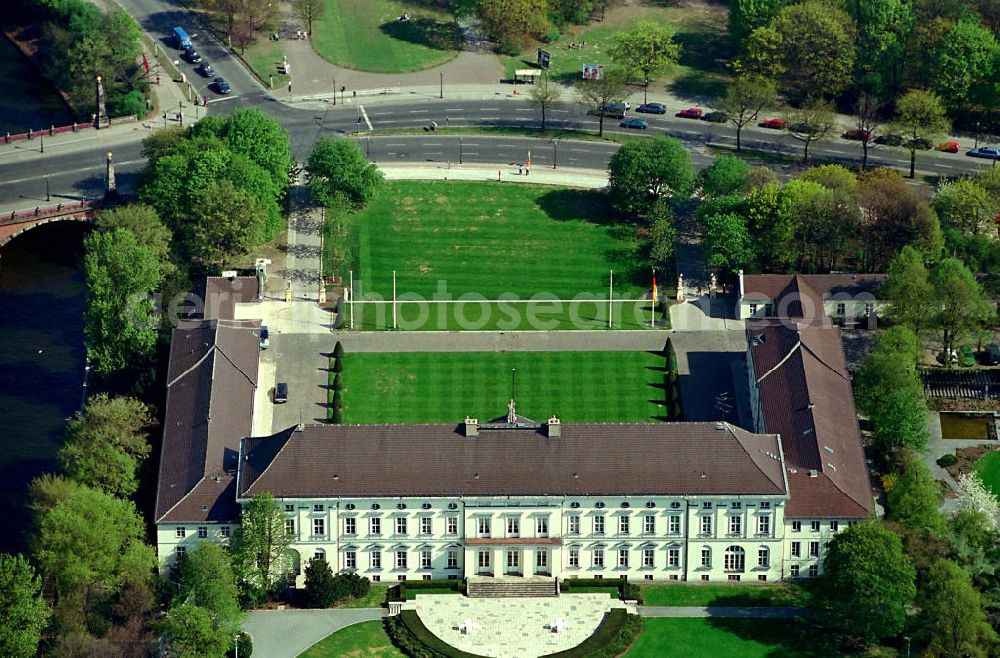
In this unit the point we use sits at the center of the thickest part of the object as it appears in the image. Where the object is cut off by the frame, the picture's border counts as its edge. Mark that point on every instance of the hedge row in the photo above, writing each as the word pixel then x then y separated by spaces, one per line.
pixel 626 591
pixel 410 636
pixel 612 638
pixel 398 592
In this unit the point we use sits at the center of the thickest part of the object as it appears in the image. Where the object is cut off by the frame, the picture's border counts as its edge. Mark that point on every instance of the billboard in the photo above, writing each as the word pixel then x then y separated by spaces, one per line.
pixel 593 71
pixel 544 59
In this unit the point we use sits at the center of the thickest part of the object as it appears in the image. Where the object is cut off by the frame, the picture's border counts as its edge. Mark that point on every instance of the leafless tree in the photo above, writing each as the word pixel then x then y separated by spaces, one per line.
pixel 308 11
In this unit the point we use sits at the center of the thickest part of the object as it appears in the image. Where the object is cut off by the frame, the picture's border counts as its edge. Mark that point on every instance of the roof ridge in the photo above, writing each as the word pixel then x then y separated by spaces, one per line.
pixel 794 348
pixel 193 366
pixel 180 500
pixel 285 441
pixel 732 431
pixel 825 364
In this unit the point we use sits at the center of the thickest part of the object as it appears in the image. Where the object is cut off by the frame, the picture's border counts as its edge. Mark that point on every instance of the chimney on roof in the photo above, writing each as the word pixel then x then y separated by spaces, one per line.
pixel 229 274
pixel 554 428
pixel 471 427
pixel 813 473
pixel 720 426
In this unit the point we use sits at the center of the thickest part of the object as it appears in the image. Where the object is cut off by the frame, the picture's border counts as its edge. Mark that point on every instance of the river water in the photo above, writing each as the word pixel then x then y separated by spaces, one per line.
pixel 27 101
pixel 41 361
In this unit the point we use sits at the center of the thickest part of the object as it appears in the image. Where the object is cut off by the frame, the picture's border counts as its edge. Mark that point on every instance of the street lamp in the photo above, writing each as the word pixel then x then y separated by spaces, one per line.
pixel 555 153
pixel 48 196
pixel 459 150
pixel 907 638
pixel 441 84
pixel 977 135
pixel 335 91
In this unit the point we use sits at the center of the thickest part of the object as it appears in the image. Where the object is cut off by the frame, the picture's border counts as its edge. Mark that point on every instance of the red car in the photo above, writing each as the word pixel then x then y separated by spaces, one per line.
pixel 858 135
pixel 948 147
pixel 775 124
pixel 691 113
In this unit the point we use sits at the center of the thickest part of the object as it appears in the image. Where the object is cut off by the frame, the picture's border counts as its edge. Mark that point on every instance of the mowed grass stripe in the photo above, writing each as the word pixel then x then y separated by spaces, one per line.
pixel 444 387
pixel 520 240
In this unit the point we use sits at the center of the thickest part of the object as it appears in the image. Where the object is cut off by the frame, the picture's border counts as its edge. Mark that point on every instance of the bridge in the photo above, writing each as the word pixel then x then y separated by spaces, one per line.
pixel 13 224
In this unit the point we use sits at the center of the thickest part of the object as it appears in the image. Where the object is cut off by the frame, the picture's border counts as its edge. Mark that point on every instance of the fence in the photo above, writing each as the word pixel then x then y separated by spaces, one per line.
pixel 15 217
pixel 47 132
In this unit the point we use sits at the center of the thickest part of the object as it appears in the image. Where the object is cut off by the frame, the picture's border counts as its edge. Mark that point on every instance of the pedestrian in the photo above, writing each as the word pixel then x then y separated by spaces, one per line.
pixel 527 170
pixel 520 170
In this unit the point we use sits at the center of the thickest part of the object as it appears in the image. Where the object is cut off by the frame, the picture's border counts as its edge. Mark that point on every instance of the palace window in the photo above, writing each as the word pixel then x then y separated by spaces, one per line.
pixel 350 526
pixel 542 526
pixel 814 526
pixel 673 557
pixel 675 524
pixel 180 531
pixel 763 557
pixel 425 525
pixel 735 525
pixel 290 527
pixel 401 525
pixel 648 557
pixel 574 558
pixel 649 524
pixel 735 559
pixel 452 525
pixel 375 559
pixel 319 527
pixel 814 549
pixel 599 524
pixel 350 559
pixel 513 526
pixel 574 524
pixel 764 524
pixel 813 571
pixel 452 558
pixel 425 559
pixel 706 557
pixel 375 525
pixel 796 526
pixel 623 557
pixel 542 558
pixel 623 525
pixel 796 549
pixel 598 557
pixel 706 525
pixel 793 571
pixel 484 559
pixel 400 559
pixel 202 532
pixel 483 523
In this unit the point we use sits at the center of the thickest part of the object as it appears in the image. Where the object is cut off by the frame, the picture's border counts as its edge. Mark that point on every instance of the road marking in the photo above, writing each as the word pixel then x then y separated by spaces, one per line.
pixel 365 115
pixel 419 111
pixel 489 118
pixel 453 109
pixel 395 144
pixel 489 109
pixel 524 109
pixel 432 144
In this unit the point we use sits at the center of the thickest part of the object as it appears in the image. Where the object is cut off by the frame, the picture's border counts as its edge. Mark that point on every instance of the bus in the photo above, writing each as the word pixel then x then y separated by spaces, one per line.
pixel 182 38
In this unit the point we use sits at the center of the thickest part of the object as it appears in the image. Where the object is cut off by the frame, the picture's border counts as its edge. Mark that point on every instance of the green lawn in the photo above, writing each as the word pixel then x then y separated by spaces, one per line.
pixel 725 595
pixel 375 598
pixel 364 640
pixel 988 469
pixel 489 241
pixel 722 638
pixel 365 35
pixel 414 387
pixel 265 57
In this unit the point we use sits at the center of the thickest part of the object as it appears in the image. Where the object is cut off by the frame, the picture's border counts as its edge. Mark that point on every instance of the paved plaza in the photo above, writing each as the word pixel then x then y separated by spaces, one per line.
pixel 515 627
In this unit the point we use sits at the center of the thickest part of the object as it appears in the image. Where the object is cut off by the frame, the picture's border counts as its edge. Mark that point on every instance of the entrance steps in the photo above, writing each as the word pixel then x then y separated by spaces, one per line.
pixel 486 587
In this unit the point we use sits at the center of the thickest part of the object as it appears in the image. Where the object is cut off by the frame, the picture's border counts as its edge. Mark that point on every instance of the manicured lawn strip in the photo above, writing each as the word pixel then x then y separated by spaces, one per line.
pixel 375 598
pixel 725 595
pixel 264 57
pixel 412 593
pixel 988 469
pixel 364 640
pixel 365 35
pixel 746 638
pixel 610 591
pixel 420 387
pixel 491 239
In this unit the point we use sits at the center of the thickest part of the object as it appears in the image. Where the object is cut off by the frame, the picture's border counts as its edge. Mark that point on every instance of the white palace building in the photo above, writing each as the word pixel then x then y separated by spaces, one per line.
pixel 689 501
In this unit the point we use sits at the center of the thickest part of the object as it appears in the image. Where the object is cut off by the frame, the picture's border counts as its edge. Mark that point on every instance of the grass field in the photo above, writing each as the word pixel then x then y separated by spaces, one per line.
pixel 264 57
pixel 988 469
pixel 375 598
pixel 725 595
pixel 364 640
pixel 490 241
pixel 701 30
pixel 420 387
pixel 365 35
pixel 746 638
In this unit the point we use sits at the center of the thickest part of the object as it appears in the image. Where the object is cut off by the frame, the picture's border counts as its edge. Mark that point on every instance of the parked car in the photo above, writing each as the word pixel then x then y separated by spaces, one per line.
pixel 192 56
pixel 948 147
pixel 281 393
pixel 716 117
pixel 640 124
pixel 773 124
pixel 206 70
pixel 222 86
pixel 265 337
pixel 691 113
pixel 966 356
pixel 921 144
pixel 614 110
pixel 652 108
pixel 988 152
pixel 857 135
pixel 889 140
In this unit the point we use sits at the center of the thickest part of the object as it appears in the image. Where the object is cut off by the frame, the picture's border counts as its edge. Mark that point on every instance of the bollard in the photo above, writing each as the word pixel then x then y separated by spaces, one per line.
pixel 74 126
pixel 52 130
pixel 498 175
pixel 6 138
pixel 36 211
pixel 13 214
pixel 30 130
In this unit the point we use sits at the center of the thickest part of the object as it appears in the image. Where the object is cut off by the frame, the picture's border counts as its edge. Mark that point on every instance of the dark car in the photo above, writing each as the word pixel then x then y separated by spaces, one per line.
pixel 206 70
pixel 889 140
pixel 641 124
pixel 615 110
pixel 265 337
pixel 773 124
pixel 281 393
pixel 857 135
pixel 222 86
pixel 921 144
pixel 691 113
pixel 988 152
pixel 652 108
pixel 716 117
pixel 192 56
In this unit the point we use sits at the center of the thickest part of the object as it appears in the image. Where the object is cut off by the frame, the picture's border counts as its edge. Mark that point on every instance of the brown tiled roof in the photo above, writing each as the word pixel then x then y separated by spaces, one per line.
pixel 222 294
pixel 806 398
pixel 771 287
pixel 438 460
pixel 211 380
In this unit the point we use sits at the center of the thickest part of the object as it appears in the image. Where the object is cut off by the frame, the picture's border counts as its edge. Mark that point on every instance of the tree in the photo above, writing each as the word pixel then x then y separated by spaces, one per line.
pixel 337 166
pixel 883 28
pixel 728 242
pixel 920 118
pixel 263 140
pixel 967 205
pixel 974 496
pixel 891 366
pixel 894 215
pixel 726 175
pixel 320 590
pixel 962 306
pixel 744 99
pixel 207 581
pixel 338 350
pixel 810 123
pixel 145 224
pixel 227 221
pixel 900 422
pixel 106 442
pixel 188 632
pixel 260 546
pixel 867 111
pixel 661 234
pixel 512 22
pixel 257 15
pixel 814 45
pixel 598 94
pixel 907 289
pixel 952 621
pixel 308 11
pixel 643 171
pixel 23 612
pixel 975 544
pixel 745 16
pixel 121 318
pixel 648 48
pixel 913 500
pixel 545 93
pixel 963 60
pixel 868 581
pixel 769 212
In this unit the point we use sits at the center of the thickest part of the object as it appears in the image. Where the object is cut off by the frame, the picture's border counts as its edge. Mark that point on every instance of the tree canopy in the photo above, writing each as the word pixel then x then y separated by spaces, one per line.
pixel 338 167
pixel 952 621
pixel 260 547
pixel 643 170
pixel 23 612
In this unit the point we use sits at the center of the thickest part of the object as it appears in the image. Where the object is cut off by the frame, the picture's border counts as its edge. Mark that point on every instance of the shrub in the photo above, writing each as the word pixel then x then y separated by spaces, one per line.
pixel 337 417
pixel 244 644
pixel 552 35
pixel 338 382
pixel 131 104
pixel 323 588
pixel 947 460
pixel 338 350
pixel 338 365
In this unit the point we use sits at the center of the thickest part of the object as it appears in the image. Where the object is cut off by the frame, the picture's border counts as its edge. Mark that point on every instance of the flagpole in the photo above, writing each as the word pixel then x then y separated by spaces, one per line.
pixel 652 301
pixel 611 294
pixel 351 297
pixel 394 299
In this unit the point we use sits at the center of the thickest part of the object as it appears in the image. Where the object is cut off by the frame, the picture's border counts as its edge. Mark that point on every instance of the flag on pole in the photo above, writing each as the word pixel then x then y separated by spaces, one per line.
pixel 654 288
pixel 528 161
